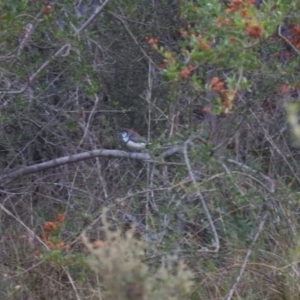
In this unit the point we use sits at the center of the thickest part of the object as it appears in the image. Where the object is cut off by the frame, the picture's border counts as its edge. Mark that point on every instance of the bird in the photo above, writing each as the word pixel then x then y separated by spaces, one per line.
pixel 133 140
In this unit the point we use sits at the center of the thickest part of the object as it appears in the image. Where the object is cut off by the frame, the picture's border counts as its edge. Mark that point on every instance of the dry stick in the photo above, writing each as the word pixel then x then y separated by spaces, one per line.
pixel 28 32
pixel 286 40
pixel 170 152
pixel 60 52
pixel 133 37
pixel 230 175
pixel 271 141
pixel 27 83
pixel 92 17
pixel 199 194
pixel 230 136
pixel 238 279
pixel 86 125
pixel 29 143
pixel 67 46
pixel 29 29
pixel 30 232
pixel 63 51
pixel 86 131
pixel 72 282
pixel 270 187
pixel 150 173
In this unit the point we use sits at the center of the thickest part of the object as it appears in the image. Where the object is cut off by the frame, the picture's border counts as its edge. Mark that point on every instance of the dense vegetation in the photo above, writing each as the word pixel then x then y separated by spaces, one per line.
pixel 210 211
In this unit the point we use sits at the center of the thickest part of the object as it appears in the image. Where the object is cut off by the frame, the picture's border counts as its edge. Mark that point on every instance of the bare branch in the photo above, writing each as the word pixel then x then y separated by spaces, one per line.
pixel 10 176
pixel 92 17
pixel 28 30
pixel 170 152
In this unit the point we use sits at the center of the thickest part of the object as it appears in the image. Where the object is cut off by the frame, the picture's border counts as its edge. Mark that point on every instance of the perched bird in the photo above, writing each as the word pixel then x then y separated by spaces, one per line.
pixel 133 140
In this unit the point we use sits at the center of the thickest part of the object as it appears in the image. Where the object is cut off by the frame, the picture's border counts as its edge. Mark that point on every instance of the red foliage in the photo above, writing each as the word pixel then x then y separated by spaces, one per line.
pixel 186 72
pixel 236 5
pixel 216 84
pixel 152 41
pixel 254 31
pixel 294 31
pixel 284 89
pixel 46 10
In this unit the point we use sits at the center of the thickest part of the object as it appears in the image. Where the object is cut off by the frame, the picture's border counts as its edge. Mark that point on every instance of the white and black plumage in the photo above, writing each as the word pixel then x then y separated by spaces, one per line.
pixel 133 140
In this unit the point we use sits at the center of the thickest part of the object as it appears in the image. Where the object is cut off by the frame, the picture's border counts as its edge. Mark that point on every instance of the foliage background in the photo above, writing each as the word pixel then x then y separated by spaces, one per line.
pixel 213 77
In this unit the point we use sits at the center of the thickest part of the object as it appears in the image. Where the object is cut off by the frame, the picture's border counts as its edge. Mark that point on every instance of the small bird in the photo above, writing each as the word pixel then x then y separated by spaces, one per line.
pixel 133 140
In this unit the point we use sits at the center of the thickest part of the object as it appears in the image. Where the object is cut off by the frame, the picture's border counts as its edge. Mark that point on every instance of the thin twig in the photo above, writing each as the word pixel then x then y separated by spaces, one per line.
pixel 28 30
pixel 30 232
pixel 63 51
pixel 286 40
pixel 200 196
pixel 271 185
pixel 92 17
pixel 242 270
pixel 230 136
pixel 277 149
pixel 150 172
pixel 72 282
pixel 27 83
pixel 133 37
pixel 87 126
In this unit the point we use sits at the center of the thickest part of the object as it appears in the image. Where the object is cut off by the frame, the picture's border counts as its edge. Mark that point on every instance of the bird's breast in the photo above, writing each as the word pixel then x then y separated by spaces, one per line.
pixel 134 145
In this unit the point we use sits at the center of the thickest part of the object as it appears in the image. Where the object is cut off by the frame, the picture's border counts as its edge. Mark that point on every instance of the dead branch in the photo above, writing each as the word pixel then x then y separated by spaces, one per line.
pixel 62 52
pixel 92 17
pixel 7 177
